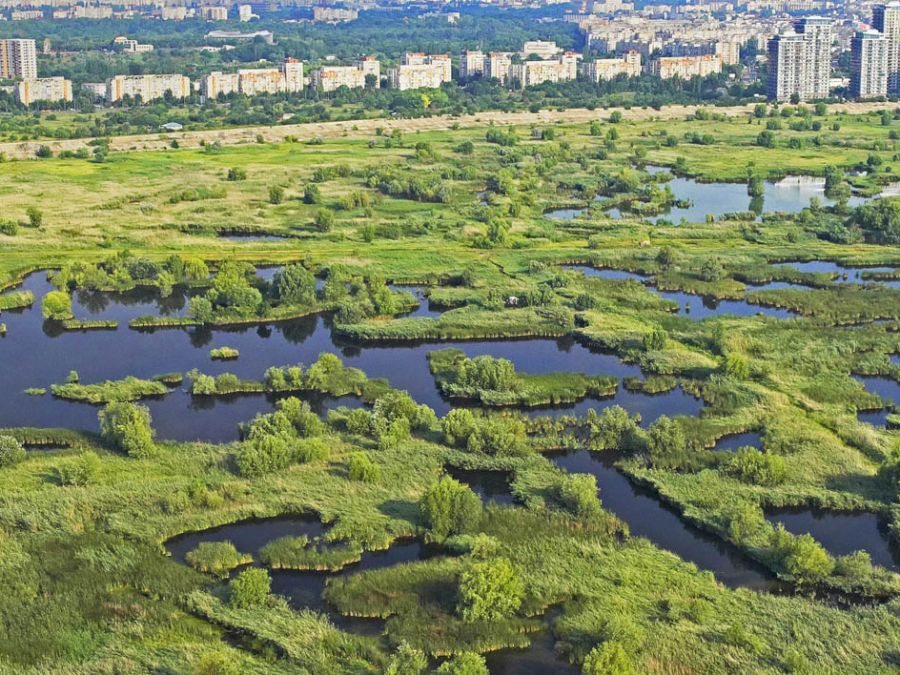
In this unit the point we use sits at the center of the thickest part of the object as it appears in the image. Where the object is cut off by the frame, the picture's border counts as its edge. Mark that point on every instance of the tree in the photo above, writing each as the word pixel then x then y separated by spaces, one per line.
pixel 127 426
pixel 294 285
pixel 57 305
pixel 610 658
pixel 458 425
pixel 407 660
pixel 363 469
pixel 612 429
pixel 665 437
pixel 324 220
pixel 880 221
pixel 250 589
pixel 11 451
pixel 490 590
pixel 712 270
pixel 806 560
pixel 665 258
pixel 467 663
pixel 449 507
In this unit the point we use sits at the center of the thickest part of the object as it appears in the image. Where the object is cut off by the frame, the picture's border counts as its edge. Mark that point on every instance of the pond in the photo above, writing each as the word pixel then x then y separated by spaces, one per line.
pixel 491 486
pixel 649 406
pixel 844 274
pixel 648 517
pixel 689 304
pixel 45 355
pixel 732 442
pixel 790 195
pixel 248 536
pixel 538 659
pixel 303 589
pixel 888 390
pixel 842 532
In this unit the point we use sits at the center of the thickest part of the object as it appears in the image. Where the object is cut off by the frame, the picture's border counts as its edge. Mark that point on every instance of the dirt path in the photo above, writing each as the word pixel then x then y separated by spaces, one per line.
pixel 303 132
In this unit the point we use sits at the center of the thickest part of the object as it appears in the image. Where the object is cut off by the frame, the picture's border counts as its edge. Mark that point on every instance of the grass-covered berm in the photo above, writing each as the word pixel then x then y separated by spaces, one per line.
pixel 86 582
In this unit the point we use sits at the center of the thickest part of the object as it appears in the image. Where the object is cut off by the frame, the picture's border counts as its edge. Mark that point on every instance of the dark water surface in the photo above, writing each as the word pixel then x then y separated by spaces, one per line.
pixel 648 517
pixel 842 533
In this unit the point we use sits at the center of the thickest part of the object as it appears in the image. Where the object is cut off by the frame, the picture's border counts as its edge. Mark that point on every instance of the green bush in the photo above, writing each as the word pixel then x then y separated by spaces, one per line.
pixel 11 451
pixel 363 469
pixel 250 589
pixel 609 658
pixel 127 427
pixel 79 471
pixel 490 590
pixel 57 305
pixel 449 507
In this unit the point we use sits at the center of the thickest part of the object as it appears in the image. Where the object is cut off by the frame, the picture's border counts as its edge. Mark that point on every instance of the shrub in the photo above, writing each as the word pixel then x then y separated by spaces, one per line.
pixel 490 590
pixel 216 663
pixel 363 469
pixel 127 427
pixel 11 451
pixel 610 658
pixel 802 557
pixel 612 429
pixel 750 465
pixel 665 439
pixel 57 305
pixel 79 471
pixel 407 661
pixel 250 589
pixel 449 507
pixel 467 663
pixel 35 217
pixel 457 425
pixel 578 492
pixel 236 174
pixel 324 220
pixel 656 339
pixel 276 194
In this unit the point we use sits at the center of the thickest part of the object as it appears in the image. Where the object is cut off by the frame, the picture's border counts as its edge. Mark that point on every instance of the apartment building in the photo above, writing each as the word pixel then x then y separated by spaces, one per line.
pixel 334 15
pixel 26 14
pixel 529 73
pixel 329 78
pixel 497 65
pixel 471 64
pixel 49 89
pixel 245 13
pixel 800 61
pixel 420 71
pixel 255 81
pixel 868 65
pixel 214 13
pixel 147 87
pixel 18 60
pixel 686 67
pixel 729 52
pixel 92 12
pixel 607 69
pixel 886 20
pixel 173 13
